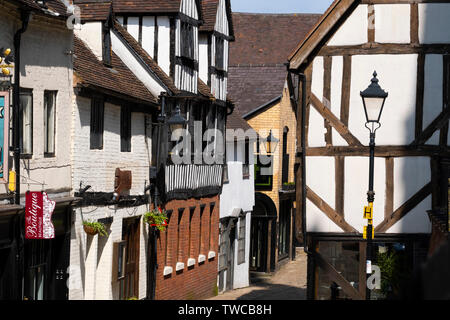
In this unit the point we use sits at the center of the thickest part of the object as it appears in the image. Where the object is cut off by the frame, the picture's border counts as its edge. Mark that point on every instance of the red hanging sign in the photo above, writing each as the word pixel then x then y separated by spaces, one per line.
pixel 38 216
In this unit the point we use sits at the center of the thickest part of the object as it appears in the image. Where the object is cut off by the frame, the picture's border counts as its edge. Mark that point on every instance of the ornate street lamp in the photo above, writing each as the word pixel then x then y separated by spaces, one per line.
pixel 177 121
pixel 271 143
pixel 373 100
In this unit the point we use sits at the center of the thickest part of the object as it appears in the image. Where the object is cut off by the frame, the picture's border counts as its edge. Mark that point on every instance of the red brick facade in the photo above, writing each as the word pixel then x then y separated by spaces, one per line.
pixel 182 241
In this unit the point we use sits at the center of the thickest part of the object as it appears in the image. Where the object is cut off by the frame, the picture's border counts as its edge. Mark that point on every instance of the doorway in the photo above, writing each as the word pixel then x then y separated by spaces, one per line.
pixel 230 256
pixel 129 285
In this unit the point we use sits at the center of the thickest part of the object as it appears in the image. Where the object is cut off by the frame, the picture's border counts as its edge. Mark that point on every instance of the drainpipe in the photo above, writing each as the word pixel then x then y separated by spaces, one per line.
pixel 25 17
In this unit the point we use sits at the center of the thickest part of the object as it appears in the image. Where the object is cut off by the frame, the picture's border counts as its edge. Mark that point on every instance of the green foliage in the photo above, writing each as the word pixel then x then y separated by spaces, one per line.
pixel 133 298
pixel 156 218
pixel 216 290
pixel 97 226
pixel 289 184
pixel 394 272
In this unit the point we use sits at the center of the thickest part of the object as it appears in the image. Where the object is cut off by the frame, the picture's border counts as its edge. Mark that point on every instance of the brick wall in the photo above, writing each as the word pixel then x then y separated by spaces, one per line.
pixel 200 280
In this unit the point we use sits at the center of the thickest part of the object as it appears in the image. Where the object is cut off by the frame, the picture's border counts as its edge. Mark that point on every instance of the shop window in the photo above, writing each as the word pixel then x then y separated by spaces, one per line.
pixel 246 162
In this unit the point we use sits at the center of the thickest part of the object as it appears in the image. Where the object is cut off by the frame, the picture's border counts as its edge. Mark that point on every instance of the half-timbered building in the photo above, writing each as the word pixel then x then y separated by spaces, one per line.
pixel 406 43
pixel 158 41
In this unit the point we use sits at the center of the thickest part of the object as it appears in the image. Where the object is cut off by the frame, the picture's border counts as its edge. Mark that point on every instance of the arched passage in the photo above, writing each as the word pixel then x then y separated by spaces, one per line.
pixel 263 232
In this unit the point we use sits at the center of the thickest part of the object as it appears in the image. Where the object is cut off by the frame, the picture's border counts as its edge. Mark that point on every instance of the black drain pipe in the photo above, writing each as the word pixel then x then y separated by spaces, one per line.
pixel 25 17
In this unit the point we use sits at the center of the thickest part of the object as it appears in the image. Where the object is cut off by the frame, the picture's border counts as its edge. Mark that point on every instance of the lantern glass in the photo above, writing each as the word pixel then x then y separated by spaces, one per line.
pixel 373 107
pixel 271 143
pixel 175 123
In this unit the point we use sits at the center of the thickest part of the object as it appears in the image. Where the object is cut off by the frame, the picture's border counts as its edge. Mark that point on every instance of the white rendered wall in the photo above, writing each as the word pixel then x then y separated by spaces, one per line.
pixel 356 187
pixel 164 43
pixel 433 92
pixel 398 76
pixel 203 58
pixel 91 34
pixel 392 23
pixel 434 22
pixel 354 29
pixel 238 193
pixel 337 69
pixel 92 260
pixel 133 27
pixel 148 35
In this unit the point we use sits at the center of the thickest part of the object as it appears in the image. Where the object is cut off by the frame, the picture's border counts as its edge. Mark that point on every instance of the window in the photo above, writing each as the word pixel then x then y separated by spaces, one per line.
pixel 26 115
pixel 211 213
pixel 179 253
pixel 125 129
pixel 246 163
pixel 166 249
pixel 219 57
pixel 97 114
pixel 241 239
pixel 202 209
pixel 49 122
pixel 187 40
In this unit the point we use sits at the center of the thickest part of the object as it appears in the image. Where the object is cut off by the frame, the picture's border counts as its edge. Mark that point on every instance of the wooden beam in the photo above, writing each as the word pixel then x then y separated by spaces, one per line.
pixel 328 211
pixel 308 74
pixel 371 23
pixel 346 88
pixel 340 184
pixel 389 203
pixel 384 48
pixel 327 64
pixel 437 124
pixel 335 276
pixel 380 151
pixel 362 269
pixel 341 128
pixel 404 209
pixel 414 23
pixel 420 94
pixel 446 99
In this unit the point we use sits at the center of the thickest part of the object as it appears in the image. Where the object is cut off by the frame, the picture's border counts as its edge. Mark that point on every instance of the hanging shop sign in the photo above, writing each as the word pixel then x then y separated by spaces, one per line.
pixel 4 131
pixel 38 216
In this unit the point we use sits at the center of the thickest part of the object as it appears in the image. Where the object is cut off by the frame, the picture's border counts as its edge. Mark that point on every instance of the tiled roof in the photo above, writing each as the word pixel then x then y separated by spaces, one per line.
pixel 119 78
pixel 156 6
pixel 56 6
pixel 209 10
pixel 167 81
pixel 92 10
pixel 267 38
pixel 235 121
pixel 257 73
pixel 253 86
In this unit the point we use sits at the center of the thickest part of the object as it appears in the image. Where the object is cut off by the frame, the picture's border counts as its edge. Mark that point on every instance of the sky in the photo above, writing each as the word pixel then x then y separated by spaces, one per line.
pixel 280 6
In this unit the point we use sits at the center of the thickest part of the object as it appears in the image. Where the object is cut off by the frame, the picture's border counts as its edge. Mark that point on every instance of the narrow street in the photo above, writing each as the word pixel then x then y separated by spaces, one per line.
pixel 289 283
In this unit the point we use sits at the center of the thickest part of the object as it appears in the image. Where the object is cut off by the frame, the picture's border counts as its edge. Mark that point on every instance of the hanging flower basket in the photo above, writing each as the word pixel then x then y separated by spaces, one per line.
pixel 156 218
pixel 93 228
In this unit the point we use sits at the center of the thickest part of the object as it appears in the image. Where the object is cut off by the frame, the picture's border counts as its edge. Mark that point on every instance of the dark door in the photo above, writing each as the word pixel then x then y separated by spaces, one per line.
pixel 130 234
pixel 152 264
pixel 258 244
pixel 59 268
pixel 230 258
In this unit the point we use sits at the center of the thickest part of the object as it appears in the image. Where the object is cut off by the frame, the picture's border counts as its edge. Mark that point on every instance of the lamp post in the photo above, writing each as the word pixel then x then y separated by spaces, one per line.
pixel 373 100
pixel 271 143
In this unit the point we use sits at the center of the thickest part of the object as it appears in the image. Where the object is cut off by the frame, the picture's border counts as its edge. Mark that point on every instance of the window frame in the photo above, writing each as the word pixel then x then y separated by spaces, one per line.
pixel 125 128
pixel 241 239
pixel 29 155
pixel 97 125
pixel 48 154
